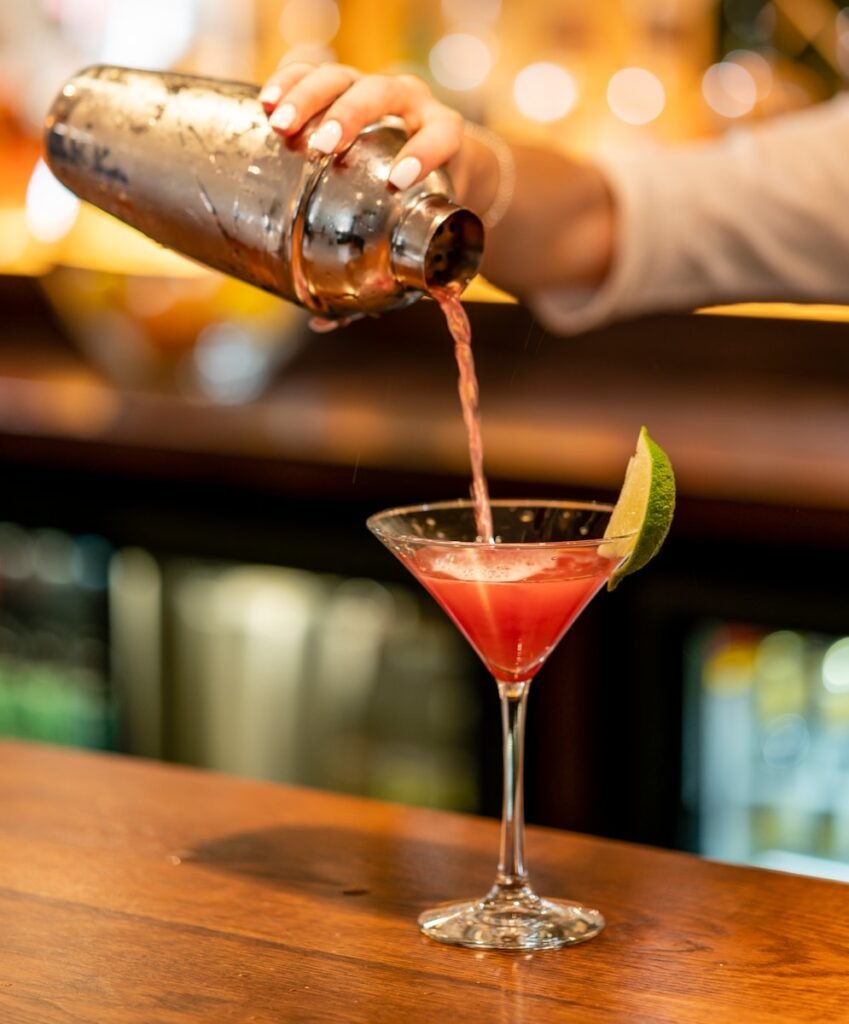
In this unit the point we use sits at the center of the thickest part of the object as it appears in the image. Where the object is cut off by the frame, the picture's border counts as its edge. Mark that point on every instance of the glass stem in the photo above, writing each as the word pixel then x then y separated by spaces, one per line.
pixel 512 875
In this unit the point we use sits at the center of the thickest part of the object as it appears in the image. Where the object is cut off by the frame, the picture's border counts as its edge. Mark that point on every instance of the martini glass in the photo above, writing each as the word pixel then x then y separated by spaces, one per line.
pixel 513 600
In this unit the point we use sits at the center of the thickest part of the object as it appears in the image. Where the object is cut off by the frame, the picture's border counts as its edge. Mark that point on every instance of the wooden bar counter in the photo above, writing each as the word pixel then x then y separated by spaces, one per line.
pixel 133 891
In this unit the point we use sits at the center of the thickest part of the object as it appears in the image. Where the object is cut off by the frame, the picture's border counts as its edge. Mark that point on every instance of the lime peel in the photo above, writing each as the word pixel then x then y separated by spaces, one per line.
pixel 643 514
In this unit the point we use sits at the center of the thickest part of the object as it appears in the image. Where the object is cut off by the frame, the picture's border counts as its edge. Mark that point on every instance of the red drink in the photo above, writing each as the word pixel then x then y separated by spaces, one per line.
pixel 512 604
pixel 461 332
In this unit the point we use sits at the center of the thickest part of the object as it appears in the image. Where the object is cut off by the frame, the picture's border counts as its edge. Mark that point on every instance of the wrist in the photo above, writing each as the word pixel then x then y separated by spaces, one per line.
pixel 595 228
pixel 502 184
pixel 476 175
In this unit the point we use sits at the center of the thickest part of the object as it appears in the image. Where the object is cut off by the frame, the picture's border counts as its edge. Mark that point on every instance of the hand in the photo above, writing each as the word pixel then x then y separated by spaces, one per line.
pixel 297 92
pixel 558 229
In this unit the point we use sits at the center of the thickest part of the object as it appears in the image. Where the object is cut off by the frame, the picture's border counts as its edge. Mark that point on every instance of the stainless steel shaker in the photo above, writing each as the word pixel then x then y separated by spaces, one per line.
pixel 193 163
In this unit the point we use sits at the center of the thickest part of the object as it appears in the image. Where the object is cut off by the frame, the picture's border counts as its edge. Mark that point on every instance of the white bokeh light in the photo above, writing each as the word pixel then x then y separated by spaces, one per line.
pixel 51 208
pixel 835 667
pixel 545 92
pixel 729 89
pixel 154 34
pixel 636 96
pixel 460 61
pixel 758 67
pixel 309 22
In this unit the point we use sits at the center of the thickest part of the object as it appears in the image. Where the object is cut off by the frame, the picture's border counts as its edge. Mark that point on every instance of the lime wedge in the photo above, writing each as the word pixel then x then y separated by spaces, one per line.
pixel 644 509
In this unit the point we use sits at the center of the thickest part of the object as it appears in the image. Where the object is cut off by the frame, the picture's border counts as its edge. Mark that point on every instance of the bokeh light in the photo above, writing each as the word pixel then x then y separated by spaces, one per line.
pixel 150 35
pixel 636 96
pixel 835 667
pixel 229 365
pixel 460 61
pixel 545 92
pixel 309 22
pixel 51 208
pixel 758 67
pixel 729 89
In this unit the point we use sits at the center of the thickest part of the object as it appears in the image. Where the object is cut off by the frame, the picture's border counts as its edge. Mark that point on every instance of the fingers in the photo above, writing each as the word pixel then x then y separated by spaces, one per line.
pixel 309 94
pixel 437 130
pixel 367 100
pixel 297 92
pixel 281 81
pixel 438 140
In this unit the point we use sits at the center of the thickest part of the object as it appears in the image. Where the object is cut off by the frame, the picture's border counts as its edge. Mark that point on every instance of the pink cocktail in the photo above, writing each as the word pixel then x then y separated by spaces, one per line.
pixel 513 598
pixel 512 605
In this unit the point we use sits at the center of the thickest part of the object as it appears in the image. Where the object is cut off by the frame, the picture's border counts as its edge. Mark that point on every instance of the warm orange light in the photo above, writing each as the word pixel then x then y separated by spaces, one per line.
pixel 309 22
pixel 782 311
pixel 472 13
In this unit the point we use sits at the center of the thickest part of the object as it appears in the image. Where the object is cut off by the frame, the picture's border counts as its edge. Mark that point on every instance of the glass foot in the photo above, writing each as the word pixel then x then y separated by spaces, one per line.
pixel 518 921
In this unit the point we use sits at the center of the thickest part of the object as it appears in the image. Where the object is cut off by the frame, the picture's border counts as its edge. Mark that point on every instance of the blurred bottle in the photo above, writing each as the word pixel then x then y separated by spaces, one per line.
pixel 53 637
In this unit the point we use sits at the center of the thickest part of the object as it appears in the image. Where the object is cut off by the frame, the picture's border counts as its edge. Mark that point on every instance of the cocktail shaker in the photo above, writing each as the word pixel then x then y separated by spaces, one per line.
pixel 193 163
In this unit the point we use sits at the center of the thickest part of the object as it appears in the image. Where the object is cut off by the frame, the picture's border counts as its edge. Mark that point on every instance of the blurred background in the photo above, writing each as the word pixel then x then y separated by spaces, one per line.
pixel 185 470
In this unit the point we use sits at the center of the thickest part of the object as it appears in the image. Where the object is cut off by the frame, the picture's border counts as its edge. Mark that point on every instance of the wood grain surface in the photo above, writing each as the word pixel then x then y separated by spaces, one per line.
pixel 136 892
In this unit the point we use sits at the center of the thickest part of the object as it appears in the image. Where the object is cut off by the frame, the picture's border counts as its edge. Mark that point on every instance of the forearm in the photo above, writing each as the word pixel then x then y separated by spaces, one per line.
pixel 757 215
pixel 558 226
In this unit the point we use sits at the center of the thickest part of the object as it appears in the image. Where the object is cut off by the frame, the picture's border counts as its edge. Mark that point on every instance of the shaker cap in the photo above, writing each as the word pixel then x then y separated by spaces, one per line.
pixel 437 243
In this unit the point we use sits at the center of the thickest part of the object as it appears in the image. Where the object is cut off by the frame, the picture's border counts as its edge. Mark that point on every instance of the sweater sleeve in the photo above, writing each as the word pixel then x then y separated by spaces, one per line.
pixel 759 215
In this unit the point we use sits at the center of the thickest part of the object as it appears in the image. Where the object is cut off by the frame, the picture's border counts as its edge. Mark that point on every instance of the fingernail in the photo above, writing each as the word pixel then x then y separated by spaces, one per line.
pixel 283 116
pixel 270 95
pixel 405 173
pixel 326 138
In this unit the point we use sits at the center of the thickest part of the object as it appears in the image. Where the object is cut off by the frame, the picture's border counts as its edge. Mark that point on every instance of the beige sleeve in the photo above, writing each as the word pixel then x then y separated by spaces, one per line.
pixel 759 215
